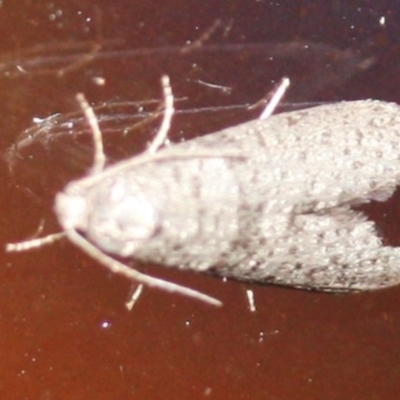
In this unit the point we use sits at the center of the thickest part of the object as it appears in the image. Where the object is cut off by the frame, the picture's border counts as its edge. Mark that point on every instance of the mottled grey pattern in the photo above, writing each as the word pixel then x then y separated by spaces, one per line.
pixel 280 214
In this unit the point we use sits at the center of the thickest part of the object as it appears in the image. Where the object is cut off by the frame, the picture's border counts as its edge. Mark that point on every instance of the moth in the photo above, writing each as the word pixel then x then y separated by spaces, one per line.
pixel 268 201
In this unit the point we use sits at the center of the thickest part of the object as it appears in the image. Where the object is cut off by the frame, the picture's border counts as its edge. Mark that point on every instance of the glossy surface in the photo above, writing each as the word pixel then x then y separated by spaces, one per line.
pixel 64 330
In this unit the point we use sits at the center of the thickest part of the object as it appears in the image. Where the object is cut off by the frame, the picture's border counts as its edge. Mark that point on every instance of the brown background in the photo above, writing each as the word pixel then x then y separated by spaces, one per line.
pixel 64 331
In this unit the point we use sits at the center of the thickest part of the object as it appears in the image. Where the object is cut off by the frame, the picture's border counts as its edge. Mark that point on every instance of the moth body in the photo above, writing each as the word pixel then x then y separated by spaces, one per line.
pixel 279 213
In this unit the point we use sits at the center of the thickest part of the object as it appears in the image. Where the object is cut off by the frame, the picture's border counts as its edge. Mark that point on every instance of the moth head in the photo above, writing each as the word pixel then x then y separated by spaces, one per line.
pixel 71 209
pixel 115 217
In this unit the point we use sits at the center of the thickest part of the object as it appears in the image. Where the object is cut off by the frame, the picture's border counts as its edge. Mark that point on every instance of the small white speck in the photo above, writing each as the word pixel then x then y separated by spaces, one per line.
pixel 99 80
pixel 382 21
pixel 105 324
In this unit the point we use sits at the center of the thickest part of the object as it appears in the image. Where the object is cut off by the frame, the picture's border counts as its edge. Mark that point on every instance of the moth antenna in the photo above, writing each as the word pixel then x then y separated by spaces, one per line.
pixel 34 243
pixel 276 98
pixel 98 166
pixel 165 126
pixel 99 158
pixel 121 269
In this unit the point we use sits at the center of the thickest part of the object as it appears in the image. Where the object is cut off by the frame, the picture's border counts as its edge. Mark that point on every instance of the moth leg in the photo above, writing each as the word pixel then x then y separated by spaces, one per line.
pixel 165 126
pixel 99 158
pixel 275 98
pixel 134 294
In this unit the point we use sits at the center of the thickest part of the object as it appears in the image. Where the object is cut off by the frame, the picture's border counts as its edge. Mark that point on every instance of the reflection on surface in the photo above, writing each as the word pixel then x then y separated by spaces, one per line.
pixel 55 301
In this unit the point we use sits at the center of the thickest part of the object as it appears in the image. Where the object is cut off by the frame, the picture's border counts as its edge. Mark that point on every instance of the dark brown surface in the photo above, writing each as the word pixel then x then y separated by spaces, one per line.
pixel 64 331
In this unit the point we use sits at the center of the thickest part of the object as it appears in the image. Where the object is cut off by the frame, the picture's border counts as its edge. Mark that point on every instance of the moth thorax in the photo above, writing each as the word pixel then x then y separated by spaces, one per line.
pixel 119 218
